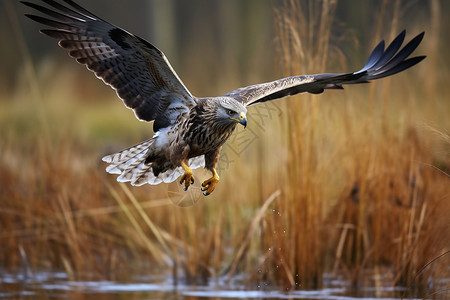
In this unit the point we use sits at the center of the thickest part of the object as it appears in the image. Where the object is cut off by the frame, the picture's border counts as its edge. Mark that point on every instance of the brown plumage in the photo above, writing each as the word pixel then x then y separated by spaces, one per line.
pixel 189 131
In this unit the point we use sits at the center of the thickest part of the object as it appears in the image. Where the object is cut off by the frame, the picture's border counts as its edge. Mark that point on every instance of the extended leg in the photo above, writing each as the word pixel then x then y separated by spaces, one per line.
pixel 187 176
pixel 209 185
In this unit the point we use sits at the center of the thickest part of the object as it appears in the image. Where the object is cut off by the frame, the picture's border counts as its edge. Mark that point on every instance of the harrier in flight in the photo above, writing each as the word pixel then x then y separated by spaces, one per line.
pixel 189 131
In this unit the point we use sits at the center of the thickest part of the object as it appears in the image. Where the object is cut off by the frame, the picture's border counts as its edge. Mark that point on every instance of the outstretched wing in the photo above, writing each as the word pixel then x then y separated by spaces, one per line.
pixel 138 71
pixel 381 63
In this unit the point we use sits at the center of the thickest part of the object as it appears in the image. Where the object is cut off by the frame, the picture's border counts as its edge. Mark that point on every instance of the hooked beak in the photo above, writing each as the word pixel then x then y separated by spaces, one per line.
pixel 243 122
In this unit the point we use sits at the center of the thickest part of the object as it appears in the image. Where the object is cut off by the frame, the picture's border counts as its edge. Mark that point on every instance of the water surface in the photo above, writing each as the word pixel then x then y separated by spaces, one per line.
pixel 56 285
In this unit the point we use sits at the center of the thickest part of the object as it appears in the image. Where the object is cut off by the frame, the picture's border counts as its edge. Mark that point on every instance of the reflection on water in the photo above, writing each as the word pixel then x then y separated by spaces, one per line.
pixel 54 285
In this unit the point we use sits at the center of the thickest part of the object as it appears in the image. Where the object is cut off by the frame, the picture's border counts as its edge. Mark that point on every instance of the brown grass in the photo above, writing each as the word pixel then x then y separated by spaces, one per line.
pixel 341 183
pixel 381 216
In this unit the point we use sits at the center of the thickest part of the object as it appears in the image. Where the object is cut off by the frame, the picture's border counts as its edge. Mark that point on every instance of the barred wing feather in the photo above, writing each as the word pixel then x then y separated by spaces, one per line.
pixel 381 63
pixel 139 72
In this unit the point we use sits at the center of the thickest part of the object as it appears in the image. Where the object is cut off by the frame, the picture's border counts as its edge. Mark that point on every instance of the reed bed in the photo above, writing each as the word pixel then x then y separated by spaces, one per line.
pixel 339 183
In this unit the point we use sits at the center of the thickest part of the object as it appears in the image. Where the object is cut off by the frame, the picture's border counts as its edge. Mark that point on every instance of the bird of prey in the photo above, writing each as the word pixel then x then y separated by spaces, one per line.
pixel 189 131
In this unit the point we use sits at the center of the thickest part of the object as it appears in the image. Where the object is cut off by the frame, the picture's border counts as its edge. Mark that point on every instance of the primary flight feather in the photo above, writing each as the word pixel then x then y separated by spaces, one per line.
pixel 189 131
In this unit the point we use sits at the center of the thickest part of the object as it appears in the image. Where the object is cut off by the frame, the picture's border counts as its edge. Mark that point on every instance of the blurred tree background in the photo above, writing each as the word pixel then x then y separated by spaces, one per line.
pixel 55 195
pixel 214 45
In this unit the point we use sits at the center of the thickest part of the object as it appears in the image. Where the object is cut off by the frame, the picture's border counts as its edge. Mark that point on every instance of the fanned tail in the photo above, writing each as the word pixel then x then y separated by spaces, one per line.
pixel 130 165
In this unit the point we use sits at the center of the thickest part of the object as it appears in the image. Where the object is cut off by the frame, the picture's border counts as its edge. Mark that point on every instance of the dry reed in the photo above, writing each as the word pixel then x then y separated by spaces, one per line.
pixel 347 187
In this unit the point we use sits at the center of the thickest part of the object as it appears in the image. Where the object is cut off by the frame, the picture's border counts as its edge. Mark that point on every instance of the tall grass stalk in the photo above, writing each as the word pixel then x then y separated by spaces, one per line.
pixel 382 215
pixel 31 74
pixel 304 29
pixel 153 248
pixel 341 182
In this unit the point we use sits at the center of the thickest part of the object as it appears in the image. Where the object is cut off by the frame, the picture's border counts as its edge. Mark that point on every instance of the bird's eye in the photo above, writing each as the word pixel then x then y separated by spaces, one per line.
pixel 230 112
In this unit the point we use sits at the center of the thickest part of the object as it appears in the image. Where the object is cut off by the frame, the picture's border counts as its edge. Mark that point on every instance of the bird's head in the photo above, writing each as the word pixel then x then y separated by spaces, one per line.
pixel 231 111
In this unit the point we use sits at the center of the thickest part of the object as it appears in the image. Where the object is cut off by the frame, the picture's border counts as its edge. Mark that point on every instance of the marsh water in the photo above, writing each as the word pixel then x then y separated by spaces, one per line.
pixel 57 285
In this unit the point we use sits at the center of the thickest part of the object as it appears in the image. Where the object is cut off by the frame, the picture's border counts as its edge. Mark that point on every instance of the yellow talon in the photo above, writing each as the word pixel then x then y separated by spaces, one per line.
pixel 209 185
pixel 187 177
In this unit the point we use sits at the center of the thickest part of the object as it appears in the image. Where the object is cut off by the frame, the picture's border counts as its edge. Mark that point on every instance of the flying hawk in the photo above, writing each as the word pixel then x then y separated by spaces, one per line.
pixel 189 131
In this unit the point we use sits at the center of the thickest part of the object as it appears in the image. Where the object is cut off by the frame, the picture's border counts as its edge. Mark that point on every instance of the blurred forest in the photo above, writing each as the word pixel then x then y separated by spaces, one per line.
pixel 360 176
pixel 221 43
